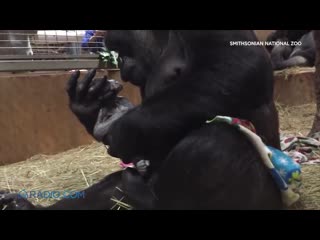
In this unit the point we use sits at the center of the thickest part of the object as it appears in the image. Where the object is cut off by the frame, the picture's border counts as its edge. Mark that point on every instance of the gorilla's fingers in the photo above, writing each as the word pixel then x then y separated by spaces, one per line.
pixel 96 87
pixel 82 86
pixel 72 83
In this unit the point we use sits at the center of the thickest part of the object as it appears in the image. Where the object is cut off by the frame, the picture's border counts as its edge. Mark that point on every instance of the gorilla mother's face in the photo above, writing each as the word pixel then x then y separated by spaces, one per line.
pixel 138 51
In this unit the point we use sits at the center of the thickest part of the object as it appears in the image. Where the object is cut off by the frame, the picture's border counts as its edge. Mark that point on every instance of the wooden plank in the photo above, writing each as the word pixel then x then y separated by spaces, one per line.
pixel 35 117
pixel 49 65
pixel 294 86
pixel 48 57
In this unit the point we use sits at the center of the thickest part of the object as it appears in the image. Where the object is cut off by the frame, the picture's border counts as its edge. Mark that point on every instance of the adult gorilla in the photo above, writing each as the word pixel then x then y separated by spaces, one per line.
pixel 196 76
pixel 284 56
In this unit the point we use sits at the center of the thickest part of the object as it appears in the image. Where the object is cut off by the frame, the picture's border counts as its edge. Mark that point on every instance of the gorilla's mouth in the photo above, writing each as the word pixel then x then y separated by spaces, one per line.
pixel 125 71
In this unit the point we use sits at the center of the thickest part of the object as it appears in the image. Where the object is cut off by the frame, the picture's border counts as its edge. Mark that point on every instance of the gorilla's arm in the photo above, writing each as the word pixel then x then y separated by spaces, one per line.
pixel 218 85
pixel 150 130
pixel 109 113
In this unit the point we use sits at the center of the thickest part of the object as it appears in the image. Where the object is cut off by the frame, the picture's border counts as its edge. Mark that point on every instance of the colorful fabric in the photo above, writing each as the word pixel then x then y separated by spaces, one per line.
pixel 286 173
pixel 289 170
pixel 128 165
pixel 302 150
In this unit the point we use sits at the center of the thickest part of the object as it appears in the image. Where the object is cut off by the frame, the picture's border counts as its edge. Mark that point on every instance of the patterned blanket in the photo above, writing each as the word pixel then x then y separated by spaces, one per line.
pixel 303 150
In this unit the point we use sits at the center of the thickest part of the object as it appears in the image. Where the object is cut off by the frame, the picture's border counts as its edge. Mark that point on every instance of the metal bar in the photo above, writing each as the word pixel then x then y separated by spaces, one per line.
pixel 46 32
pixel 52 47
pixel 48 65
pixel 45 37
pixel 53 50
pixel 48 57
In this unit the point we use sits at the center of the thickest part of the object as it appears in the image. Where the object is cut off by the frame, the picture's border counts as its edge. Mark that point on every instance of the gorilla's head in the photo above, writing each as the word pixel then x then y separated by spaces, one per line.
pixel 138 51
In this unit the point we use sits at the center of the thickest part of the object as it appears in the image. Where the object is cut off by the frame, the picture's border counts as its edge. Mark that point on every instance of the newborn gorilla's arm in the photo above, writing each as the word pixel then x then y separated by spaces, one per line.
pixel 95 102
pixel 108 114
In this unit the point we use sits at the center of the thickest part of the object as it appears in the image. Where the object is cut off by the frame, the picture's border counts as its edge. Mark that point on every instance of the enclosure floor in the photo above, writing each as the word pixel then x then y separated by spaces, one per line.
pixel 79 168
pixel 296 120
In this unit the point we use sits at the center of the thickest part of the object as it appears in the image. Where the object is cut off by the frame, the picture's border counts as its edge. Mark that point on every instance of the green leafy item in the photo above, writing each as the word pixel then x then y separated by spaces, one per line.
pixel 109 57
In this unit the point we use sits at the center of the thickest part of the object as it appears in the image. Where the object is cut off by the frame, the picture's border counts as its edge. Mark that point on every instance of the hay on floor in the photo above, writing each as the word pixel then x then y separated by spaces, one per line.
pixel 310 190
pixel 296 120
pixel 81 167
pixel 72 170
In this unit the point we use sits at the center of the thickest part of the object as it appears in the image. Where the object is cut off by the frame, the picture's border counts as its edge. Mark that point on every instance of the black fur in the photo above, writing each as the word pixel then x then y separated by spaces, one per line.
pixel 292 56
pixel 206 84
pixel 186 78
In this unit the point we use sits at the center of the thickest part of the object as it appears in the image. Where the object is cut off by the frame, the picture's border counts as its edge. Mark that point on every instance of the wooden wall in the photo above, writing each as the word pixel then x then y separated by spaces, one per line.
pixel 35 118
pixel 262 34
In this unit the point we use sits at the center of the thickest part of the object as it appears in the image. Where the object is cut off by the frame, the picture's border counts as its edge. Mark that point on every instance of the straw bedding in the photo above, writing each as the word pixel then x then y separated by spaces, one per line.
pixel 81 167
pixel 72 170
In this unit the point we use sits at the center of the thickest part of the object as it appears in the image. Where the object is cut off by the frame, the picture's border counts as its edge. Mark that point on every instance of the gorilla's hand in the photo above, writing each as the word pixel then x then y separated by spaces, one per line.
pixel 13 201
pixel 88 95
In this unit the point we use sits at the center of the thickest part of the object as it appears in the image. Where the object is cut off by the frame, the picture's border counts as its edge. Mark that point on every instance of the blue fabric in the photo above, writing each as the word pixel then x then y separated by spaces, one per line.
pixel 278 179
pixel 96 47
pixel 288 169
